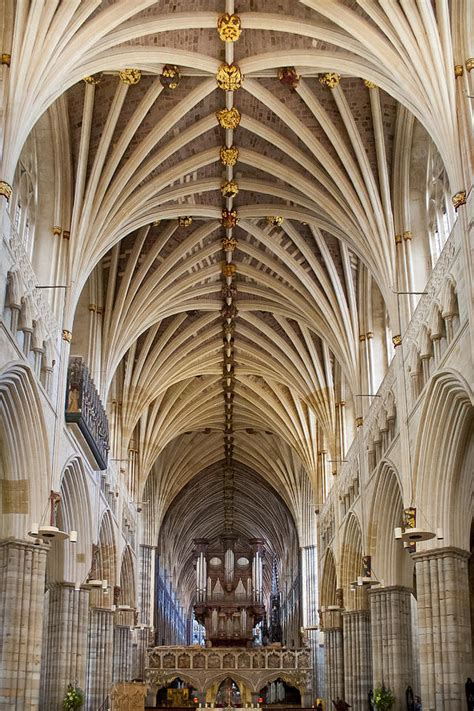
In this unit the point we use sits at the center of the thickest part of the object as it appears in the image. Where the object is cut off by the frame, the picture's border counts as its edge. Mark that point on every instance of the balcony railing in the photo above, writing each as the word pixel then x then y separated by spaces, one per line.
pixel 84 409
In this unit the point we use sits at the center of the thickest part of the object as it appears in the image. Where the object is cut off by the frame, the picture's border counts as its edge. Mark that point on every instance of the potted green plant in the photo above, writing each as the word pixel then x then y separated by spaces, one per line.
pixel 74 698
pixel 383 698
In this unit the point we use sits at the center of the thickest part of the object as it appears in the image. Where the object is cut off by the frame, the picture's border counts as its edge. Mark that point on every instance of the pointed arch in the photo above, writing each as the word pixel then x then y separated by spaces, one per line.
pixel 24 450
pixel 351 562
pixel 329 580
pixel 390 562
pixel 444 458
pixel 127 579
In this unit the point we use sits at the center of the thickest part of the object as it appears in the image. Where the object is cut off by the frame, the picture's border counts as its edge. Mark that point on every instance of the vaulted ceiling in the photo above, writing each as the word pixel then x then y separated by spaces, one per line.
pixel 269 323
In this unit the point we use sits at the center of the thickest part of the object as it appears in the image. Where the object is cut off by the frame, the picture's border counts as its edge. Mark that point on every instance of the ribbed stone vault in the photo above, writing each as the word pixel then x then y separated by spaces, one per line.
pixel 327 154
pixel 196 512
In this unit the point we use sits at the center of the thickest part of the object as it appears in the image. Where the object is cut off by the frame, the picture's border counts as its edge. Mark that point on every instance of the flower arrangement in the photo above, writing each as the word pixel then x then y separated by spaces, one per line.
pixel 74 697
pixel 383 698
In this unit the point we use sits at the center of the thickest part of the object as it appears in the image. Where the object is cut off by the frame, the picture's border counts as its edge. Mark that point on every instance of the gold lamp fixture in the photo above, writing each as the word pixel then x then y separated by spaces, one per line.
pixel 411 534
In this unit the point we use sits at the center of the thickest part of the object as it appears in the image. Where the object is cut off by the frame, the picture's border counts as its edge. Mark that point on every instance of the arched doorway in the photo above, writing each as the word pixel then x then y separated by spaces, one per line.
pixel 178 694
pixel 228 694
pixel 279 693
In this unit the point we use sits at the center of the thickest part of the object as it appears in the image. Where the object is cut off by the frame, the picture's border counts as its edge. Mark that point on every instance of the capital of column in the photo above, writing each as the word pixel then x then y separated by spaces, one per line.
pixel 388 590
pixel 331 619
pixel 445 552
pixel 148 547
pixel 355 613
pixel 63 584
pixel 18 543
pixel 99 610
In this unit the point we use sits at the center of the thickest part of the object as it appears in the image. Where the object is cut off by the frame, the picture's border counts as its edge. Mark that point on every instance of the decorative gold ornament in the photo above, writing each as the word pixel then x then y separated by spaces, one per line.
pixel 6 59
pixel 229 218
pixel 185 221
pixel 228 330
pixel 398 239
pixel 370 335
pixel 407 235
pixel 156 223
pixel 275 220
pixel 230 189
pixel 459 199
pixel 229 291
pixel 359 421
pixel 458 70
pixel 66 234
pixel 93 78
pixel 369 84
pixel 130 76
pixel 470 64
pixel 289 76
pixel 229 77
pixel 229 311
pixel 228 118
pixel 230 244
pixel 229 156
pixel 57 231
pixel 330 79
pixel 170 76
pixel 361 337
pixel 397 341
pixel 5 189
pixel 229 27
pixel 67 335
pixel 229 269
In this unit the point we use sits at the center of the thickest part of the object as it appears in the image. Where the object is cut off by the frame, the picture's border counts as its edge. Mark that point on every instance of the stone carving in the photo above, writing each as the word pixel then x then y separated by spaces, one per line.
pixel 128 696
pixel 229 156
pixel 214 661
pixel 29 281
pixel 253 667
pixel 230 189
pixel 184 661
pixel 243 661
pixel 170 77
pixel 229 27
pixel 289 76
pixel 199 661
pixel 228 661
pixel 169 661
pixel 228 118
pixel 130 76
pixel 330 79
pixel 229 77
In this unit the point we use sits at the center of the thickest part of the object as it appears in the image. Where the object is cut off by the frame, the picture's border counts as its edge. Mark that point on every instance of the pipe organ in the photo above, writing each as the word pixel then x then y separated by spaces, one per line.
pixel 229 589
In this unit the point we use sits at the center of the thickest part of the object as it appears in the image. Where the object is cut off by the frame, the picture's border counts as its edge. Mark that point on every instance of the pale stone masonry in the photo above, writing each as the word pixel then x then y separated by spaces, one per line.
pixel 444 627
pixel 65 642
pixel 392 643
pixel 22 576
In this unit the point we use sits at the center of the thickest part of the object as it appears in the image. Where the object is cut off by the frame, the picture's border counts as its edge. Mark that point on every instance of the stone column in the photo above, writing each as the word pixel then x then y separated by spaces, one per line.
pixel 392 643
pixel 146 602
pixel 100 655
pixel 331 623
pixel 444 627
pixel 141 640
pixel 357 658
pixel 22 576
pixel 122 662
pixel 65 643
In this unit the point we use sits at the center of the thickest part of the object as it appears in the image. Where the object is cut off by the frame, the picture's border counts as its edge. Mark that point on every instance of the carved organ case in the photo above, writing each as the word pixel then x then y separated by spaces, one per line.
pixel 229 589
